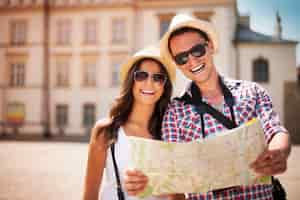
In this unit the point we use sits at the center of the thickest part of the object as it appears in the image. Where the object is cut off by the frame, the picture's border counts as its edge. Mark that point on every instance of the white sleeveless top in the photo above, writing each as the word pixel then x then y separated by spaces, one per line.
pixel 108 189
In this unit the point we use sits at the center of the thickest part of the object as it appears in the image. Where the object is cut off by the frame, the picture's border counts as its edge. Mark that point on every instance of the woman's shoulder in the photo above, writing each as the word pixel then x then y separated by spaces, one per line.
pixel 102 122
pixel 98 132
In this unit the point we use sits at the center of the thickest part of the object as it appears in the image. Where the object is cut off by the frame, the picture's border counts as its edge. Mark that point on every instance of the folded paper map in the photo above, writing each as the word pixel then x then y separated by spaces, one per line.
pixel 198 167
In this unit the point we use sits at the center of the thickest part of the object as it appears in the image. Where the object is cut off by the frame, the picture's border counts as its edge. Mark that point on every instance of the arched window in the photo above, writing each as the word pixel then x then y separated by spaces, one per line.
pixel 260 69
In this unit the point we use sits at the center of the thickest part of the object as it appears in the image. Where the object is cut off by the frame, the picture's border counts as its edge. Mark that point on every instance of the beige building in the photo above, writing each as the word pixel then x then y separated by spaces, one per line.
pixel 60 59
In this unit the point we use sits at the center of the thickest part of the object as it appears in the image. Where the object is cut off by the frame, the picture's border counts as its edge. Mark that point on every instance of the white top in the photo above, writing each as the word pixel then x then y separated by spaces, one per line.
pixel 122 154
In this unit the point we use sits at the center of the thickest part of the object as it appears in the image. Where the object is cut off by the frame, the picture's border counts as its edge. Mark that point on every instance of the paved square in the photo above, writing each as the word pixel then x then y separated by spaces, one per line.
pixel 55 170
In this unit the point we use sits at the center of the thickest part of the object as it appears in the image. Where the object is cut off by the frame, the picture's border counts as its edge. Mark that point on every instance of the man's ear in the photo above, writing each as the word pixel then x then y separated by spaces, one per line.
pixel 210 47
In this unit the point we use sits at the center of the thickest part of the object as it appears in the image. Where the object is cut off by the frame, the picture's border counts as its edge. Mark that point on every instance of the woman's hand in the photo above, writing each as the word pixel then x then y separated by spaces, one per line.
pixel 135 182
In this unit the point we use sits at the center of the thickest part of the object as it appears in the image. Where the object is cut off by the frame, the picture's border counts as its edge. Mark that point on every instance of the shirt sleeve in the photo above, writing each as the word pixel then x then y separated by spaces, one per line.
pixel 170 130
pixel 265 112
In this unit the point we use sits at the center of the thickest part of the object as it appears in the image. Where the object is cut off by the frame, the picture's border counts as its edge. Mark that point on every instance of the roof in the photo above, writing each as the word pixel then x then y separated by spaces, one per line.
pixel 245 34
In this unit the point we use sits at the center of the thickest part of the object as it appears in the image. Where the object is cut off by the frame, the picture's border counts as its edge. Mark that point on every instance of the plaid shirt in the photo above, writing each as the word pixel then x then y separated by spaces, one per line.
pixel 182 123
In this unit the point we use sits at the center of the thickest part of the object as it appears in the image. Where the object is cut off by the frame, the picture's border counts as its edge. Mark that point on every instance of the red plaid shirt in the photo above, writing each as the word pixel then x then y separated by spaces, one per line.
pixel 182 123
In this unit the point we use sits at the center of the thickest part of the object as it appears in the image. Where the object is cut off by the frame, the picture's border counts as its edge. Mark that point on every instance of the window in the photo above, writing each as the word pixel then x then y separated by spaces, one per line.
pixel 90 31
pixel 18 32
pixel 164 21
pixel 89 73
pixel 163 27
pixel 17 75
pixel 6 2
pixel 62 72
pixel 261 70
pixel 89 115
pixel 204 15
pixel 119 31
pixel 115 76
pixel 63 32
pixel 61 115
pixel 15 113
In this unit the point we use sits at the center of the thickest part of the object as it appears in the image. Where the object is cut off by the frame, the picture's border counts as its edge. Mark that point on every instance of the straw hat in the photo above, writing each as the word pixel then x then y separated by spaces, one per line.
pixel 183 20
pixel 148 52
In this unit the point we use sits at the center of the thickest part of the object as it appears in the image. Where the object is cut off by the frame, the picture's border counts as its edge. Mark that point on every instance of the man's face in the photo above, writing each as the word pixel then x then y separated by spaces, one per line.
pixel 198 69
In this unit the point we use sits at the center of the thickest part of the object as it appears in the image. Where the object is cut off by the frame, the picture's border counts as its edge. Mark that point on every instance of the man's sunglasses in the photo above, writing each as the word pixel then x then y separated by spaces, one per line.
pixel 197 51
pixel 156 77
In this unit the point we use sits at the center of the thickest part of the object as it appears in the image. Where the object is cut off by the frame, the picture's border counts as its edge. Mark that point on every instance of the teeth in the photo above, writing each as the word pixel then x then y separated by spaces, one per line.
pixel 197 69
pixel 147 92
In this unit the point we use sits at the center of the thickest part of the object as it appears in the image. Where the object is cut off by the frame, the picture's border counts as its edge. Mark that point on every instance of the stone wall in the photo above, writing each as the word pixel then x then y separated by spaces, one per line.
pixel 292 110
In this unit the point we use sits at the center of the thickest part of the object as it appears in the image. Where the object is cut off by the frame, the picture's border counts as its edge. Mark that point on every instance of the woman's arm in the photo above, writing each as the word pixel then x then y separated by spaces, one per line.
pixel 95 163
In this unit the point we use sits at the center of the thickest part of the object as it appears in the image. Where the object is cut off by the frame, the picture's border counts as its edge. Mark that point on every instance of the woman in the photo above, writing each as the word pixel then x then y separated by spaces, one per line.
pixel 145 93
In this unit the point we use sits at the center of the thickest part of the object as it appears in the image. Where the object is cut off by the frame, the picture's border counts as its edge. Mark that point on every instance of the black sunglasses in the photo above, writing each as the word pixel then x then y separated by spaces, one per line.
pixel 197 51
pixel 156 77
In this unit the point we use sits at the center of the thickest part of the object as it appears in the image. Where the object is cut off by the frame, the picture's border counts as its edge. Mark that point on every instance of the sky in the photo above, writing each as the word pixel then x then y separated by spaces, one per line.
pixel 263 17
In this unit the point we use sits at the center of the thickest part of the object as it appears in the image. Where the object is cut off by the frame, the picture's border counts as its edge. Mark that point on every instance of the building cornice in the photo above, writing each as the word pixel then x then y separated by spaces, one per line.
pixel 182 3
pixel 260 43
pixel 76 8
pixel 62 54
pixel 26 87
pixel 90 54
pixel 20 9
pixel 27 45
pixel 64 8
pixel 21 54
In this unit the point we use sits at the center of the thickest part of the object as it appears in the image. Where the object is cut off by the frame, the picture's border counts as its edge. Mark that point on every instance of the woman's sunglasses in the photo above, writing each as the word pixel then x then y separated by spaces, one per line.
pixel 197 51
pixel 156 77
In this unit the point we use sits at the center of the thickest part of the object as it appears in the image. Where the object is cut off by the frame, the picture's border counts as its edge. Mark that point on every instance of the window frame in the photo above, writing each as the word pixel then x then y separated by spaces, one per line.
pixel 63 31
pixel 261 70
pixel 90 31
pixel 120 29
pixel 62 71
pixel 88 115
pixel 17 76
pixel 61 115
pixel 18 32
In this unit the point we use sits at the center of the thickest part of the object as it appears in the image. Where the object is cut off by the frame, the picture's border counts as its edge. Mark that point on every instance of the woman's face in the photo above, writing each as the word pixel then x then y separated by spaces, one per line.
pixel 149 82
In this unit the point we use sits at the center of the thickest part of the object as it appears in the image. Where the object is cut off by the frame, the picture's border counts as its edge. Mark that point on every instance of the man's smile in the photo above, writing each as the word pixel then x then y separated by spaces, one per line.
pixel 198 69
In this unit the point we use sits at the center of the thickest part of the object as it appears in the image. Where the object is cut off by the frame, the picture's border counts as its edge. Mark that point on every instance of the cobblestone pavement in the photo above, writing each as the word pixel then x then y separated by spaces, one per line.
pixel 55 170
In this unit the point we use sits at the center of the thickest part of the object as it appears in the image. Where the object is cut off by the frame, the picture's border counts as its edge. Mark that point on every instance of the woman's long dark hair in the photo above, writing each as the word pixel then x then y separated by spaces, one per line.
pixel 122 106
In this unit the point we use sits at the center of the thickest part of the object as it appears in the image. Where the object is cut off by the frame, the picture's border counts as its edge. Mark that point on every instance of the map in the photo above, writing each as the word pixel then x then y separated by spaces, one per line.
pixel 198 167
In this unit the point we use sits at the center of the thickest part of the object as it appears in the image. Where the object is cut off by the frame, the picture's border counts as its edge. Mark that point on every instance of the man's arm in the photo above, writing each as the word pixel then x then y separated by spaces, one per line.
pixel 274 159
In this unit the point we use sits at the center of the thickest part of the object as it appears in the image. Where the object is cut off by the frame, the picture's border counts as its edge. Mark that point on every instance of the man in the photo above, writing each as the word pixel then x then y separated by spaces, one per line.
pixel 190 45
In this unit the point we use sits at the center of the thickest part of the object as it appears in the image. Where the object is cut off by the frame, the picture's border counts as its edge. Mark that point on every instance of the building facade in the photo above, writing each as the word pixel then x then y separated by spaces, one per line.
pixel 60 59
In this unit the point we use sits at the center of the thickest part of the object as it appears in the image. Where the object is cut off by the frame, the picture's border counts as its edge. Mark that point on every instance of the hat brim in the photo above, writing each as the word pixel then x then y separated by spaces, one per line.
pixel 125 68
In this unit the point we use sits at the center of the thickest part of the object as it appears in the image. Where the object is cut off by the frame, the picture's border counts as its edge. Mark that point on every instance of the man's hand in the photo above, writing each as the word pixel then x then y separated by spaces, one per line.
pixel 135 182
pixel 273 160
pixel 270 162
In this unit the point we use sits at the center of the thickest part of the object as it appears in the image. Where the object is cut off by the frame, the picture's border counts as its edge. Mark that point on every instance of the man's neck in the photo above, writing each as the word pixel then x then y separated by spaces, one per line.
pixel 211 88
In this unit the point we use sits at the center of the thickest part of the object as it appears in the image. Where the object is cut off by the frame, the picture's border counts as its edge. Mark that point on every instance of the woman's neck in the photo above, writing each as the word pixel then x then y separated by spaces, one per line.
pixel 140 115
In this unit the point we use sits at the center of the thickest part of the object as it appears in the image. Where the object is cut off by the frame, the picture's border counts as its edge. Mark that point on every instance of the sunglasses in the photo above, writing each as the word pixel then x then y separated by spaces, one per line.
pixel 197 51
pixel 156 77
